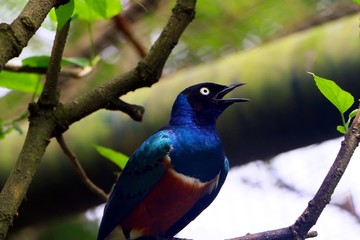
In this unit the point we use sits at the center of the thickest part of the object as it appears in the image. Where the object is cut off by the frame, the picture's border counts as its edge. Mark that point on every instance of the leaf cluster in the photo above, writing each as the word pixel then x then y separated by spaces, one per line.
pixel 30 82
pixel 340 98
pixel 88 10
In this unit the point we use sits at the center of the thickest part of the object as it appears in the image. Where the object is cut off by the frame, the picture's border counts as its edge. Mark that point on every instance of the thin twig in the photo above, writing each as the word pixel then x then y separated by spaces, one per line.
pixel 123 25
pixel 327 188
pixel 50 94
pixel 79 169
pixel 277 234
pixel 75 72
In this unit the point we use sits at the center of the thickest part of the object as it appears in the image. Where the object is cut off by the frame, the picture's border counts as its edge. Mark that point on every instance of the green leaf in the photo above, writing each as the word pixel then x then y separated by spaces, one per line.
pixel 99 6
pixel 93 10
pixel 341 99
pixel 116 157
pixel 43 61
pixel 95 60
pixel 81 62
pixel 52 16
pixel 64 13
pixel 24 82
pixel 356 1
pixel 353 113
pixel 36 61
pixel 351 116
pixel 113 7
pixel 341 129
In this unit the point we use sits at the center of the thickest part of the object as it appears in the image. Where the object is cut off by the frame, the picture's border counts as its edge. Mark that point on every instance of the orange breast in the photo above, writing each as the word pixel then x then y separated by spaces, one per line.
pixel 166 203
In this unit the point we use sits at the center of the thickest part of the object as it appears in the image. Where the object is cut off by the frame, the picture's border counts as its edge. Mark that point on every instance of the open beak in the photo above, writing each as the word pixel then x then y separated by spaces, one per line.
pixel 222 93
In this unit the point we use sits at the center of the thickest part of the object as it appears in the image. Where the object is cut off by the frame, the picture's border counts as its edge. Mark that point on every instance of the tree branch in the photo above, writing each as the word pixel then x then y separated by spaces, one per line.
pixel 327 188
pixel 147 72
pixel 79 169
pixel 49 97
pixel 75 72
pixel 48 119
pixel 277 234
pixel 14 37
pixel 300 229
pixel 134 111
pixel 41 128
pixel 123 25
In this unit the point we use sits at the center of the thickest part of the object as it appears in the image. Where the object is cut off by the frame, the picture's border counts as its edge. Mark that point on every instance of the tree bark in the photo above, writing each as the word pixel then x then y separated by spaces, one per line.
pixel 48 118
pixel 14 37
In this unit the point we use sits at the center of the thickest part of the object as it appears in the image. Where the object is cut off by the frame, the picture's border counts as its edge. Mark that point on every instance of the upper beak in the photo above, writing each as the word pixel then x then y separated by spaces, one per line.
pixel 221 94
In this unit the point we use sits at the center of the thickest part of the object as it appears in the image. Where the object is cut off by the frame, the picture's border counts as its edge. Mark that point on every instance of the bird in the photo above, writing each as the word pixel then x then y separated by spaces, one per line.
pixel 176 173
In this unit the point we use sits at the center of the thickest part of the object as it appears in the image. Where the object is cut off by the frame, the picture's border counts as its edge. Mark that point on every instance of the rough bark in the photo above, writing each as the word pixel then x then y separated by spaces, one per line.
pixel 15 36
pixel 48 118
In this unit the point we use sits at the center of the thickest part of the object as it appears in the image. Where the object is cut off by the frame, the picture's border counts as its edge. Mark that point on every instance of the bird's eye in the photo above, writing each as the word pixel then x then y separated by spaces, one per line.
pixel 204 91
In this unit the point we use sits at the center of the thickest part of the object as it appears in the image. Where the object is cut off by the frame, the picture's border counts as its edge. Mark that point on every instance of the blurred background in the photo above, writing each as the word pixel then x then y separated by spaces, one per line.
pixel 280 144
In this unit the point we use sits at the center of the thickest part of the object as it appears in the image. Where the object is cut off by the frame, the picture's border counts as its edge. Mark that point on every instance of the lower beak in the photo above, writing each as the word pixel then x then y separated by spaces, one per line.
pixel 221 94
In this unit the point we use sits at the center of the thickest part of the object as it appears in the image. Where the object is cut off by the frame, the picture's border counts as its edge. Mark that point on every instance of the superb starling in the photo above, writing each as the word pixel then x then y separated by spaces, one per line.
pixel 176 173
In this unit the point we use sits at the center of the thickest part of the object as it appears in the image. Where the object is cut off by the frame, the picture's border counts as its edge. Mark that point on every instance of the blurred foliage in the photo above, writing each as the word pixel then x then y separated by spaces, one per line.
pixel 220 27
pixel 224 27
pixel 74 227
pixel 93 10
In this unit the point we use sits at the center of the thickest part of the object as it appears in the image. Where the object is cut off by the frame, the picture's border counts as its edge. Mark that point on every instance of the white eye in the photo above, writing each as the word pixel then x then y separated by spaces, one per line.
pixel 204 91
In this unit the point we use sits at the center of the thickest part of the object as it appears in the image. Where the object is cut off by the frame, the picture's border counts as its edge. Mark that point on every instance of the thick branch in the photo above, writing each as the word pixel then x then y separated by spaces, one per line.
pixel 145 74
pixel 41 129
pixel 46 117
pixel 14 37
pixel 19 180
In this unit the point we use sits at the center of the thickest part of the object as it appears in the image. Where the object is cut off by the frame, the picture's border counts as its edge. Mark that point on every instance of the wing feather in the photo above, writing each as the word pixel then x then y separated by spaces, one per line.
pixel 143 170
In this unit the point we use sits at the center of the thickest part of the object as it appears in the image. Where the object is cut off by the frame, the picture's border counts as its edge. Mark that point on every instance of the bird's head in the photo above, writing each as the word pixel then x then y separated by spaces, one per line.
pixel 202 103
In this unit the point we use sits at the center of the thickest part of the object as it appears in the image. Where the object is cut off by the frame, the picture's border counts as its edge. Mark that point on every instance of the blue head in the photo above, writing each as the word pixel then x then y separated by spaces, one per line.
pixel 202 104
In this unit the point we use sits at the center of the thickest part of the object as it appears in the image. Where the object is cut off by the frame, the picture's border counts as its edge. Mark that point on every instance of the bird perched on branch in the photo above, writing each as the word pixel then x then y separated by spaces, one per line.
pixel 176 173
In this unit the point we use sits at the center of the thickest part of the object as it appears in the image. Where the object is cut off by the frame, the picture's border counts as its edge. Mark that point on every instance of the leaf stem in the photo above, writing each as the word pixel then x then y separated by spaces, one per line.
pixel 343 122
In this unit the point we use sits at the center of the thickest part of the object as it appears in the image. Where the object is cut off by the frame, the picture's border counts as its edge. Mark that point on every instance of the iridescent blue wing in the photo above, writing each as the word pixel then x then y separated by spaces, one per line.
pixel 143 170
